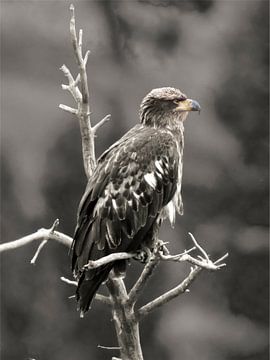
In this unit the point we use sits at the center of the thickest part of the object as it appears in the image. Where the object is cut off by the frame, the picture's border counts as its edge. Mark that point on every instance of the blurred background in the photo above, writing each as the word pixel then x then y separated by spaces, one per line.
pixel 215 51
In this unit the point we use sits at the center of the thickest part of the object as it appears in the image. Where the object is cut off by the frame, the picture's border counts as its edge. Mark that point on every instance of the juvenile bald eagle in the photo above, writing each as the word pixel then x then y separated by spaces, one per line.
pixel 137 182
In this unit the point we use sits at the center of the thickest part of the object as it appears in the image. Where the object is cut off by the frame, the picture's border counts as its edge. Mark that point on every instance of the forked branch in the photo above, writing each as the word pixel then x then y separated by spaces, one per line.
pixel 202 261
pixel 78 88
pixel 41 235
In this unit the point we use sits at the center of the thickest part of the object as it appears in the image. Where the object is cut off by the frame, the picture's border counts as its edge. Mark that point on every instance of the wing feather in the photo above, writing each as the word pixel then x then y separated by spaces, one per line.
pixel 83 258
pixel 113 234
pixel 155 204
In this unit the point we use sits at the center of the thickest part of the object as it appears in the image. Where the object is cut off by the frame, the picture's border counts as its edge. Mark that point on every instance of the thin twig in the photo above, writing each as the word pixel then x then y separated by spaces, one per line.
pixel 86 57
pixel 199 247
pixel 67 281
pixel 176 257
pixel 221 259
pixel 101 122
pixel 109 347
pixel 41 246
pixel 68 109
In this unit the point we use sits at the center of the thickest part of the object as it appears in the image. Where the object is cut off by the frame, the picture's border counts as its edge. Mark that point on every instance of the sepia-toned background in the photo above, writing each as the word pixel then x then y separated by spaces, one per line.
pixel 216 51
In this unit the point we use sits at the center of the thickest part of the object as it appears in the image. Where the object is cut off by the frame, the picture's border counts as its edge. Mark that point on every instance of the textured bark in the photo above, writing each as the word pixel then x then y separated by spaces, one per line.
pixel 127 330
pixel 125 322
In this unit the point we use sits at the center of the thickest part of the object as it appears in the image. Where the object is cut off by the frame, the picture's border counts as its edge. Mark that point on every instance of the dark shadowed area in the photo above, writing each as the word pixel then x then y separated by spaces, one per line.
pixel 216 51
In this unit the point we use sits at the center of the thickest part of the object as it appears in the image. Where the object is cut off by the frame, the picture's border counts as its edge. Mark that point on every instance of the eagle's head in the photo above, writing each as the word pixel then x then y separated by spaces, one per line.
pixel 165 107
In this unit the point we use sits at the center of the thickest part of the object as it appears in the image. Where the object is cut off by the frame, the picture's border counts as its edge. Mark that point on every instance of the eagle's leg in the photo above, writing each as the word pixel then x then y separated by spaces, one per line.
pixel 120 268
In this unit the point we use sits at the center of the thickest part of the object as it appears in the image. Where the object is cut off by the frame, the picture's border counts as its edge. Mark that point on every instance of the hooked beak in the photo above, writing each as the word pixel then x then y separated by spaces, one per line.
pixel 188 105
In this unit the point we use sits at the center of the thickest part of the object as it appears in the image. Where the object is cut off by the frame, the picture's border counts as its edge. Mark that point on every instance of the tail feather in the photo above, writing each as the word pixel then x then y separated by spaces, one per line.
pixel 88 286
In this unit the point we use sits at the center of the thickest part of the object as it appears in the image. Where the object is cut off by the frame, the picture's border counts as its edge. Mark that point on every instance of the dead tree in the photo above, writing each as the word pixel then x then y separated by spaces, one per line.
pixel 126 315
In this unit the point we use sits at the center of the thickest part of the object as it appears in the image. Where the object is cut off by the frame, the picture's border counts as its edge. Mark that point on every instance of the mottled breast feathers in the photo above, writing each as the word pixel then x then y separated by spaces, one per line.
pixel 133 181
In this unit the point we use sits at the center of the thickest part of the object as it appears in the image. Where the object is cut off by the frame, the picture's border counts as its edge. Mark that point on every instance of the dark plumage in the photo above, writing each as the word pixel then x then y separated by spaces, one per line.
pixel 136 184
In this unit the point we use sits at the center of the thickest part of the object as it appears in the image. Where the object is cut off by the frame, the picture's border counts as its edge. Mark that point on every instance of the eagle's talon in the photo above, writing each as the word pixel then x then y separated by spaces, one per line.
pixel 143 255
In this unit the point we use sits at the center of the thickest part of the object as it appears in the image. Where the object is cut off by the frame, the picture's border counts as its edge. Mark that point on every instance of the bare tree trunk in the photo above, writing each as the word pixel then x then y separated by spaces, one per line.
pixel 125 321
pixel 127 330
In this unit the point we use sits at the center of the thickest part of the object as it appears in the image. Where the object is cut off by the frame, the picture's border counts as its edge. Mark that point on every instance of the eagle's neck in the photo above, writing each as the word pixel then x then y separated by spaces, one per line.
pixel 176 126
pixel 172 121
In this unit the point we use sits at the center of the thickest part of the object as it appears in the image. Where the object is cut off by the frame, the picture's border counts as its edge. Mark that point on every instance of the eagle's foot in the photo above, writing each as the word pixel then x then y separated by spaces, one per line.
pixel 143 255
pixel 160 247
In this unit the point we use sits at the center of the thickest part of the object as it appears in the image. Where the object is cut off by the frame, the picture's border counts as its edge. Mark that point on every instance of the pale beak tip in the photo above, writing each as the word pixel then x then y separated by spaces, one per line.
pixel 195 106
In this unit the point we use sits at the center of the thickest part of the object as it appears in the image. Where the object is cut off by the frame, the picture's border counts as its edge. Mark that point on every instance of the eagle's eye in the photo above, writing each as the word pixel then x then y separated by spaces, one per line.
pixel 177 101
